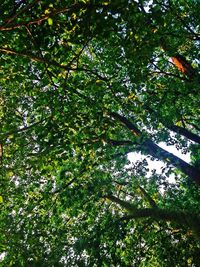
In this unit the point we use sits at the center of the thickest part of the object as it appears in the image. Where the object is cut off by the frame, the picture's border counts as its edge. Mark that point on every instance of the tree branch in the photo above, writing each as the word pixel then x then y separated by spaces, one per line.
pixel 184 132
pixel 51 62
pixel 186 219
pixel 148 197
pixel 22 129
pixel 8 21
pixel 73 7
pixel 154 150
pixel 160 153
pixel 119 142
pixel 127 123
pixel 42 18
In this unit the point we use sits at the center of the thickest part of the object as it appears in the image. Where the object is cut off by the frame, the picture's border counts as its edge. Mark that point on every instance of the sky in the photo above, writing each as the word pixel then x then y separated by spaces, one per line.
pixel 157 165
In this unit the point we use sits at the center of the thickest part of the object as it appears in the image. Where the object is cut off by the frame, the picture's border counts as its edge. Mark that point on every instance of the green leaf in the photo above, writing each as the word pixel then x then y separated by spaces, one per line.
pixel 50 21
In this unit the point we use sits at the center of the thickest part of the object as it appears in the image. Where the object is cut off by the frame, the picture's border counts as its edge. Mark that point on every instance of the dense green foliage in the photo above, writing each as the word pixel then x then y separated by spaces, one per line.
pixel 82 84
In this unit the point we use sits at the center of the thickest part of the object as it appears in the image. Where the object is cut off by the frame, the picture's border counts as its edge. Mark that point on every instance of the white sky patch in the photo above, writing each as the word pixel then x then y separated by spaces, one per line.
pixel 176 152
pixel 2 256
pixel 157 164
pixel 147 5
pixel 137 156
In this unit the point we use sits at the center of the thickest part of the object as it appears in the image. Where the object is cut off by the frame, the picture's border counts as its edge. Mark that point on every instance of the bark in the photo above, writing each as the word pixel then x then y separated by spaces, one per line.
pixel 184 132
pixel 148 197
pixel 180 217
pixel 177 129
pixel 126 122
pixel 154 150
pixel 184 66
pixel 119 142
pixel 160 153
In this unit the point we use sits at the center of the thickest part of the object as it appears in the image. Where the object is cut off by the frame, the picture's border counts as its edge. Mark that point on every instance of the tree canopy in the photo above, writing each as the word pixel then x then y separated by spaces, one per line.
pixel 83 84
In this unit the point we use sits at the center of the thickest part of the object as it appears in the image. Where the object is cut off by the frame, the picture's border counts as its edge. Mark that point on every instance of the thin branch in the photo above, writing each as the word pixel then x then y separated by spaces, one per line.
pixel 168 74
pixel 8 21
pixel 41 55
pixel 50 62
pixel 16 131
pixel 42 18
pixel 34 58
pixel 1 154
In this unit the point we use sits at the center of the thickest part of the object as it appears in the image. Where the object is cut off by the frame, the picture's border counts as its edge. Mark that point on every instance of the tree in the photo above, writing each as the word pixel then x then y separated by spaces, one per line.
pixel 84 83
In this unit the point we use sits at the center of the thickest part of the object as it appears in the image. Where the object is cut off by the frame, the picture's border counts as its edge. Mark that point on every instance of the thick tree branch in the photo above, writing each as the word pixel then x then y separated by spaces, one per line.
pixel 177 129
pixel 124 204
pixel 148 197
pixel 160 153
pixel 119 142
pixel 193 125
pixel 180 217
pixel 184 66
pixel 126 122
pixel 184 132
pixel 154 150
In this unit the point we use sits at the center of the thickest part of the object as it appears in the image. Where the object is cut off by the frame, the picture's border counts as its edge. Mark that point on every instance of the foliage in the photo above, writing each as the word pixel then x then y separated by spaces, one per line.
pixel 84 83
